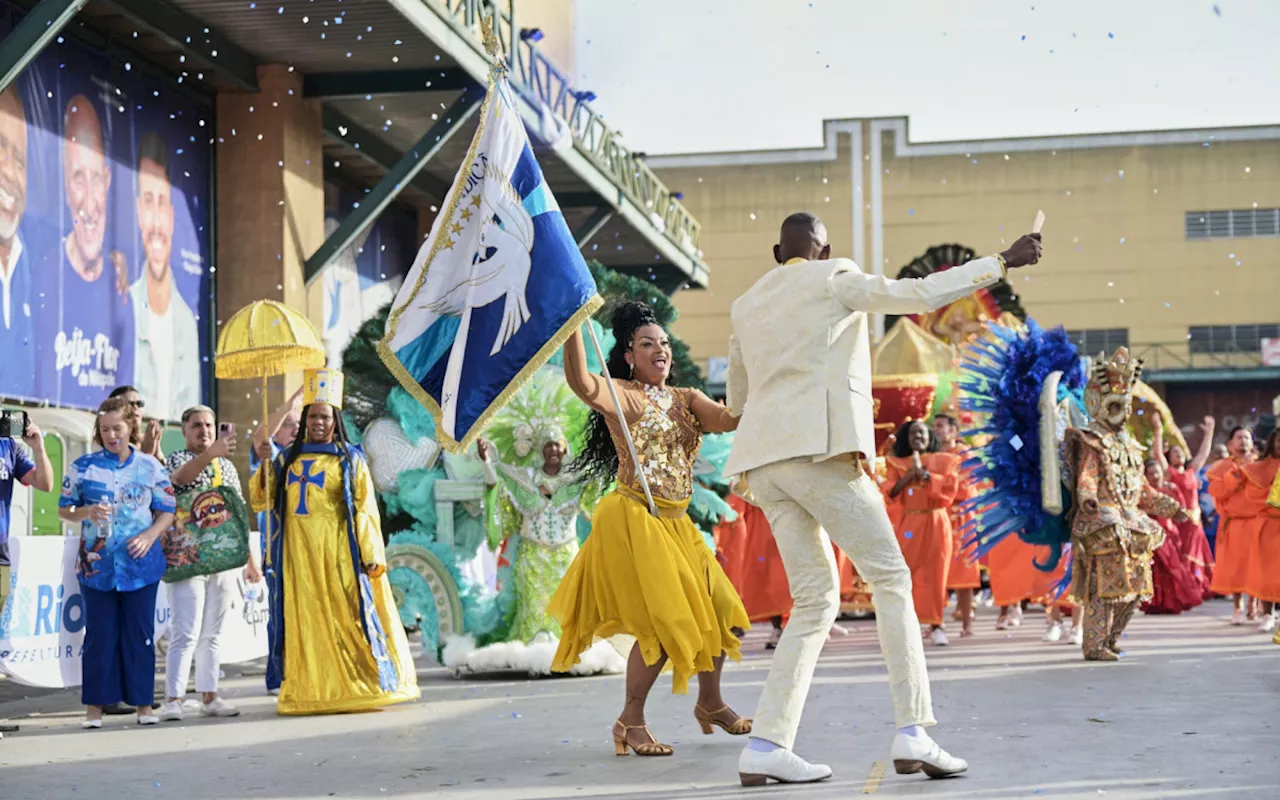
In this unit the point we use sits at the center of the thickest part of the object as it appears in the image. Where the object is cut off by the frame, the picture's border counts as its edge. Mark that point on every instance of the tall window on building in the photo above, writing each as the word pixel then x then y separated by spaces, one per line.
pixel 1230 338
pixel 1099 340
pixel 1240 223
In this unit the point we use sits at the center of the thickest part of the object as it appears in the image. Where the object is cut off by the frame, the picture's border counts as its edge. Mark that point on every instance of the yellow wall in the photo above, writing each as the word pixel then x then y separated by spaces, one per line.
pixel 1090 208
pixel 555 18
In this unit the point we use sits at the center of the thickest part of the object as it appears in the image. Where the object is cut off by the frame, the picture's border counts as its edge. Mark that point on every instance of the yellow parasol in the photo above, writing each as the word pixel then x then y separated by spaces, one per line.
pixel 261 340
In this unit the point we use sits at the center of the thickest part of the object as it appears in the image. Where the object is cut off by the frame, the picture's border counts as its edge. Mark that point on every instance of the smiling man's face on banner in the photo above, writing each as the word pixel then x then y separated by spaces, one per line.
pixel 88 179
pixel 155 216
pixel 13 164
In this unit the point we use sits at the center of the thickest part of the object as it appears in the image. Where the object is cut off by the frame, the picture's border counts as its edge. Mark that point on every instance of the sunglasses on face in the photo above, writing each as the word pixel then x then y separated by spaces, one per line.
pixel 138 403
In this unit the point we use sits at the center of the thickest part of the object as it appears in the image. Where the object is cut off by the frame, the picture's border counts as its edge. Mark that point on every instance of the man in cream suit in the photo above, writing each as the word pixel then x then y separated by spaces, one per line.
pixel 800 378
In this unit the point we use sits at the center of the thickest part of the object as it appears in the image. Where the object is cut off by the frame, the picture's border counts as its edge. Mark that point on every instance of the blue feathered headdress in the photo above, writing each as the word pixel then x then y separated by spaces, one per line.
pixel 1001 378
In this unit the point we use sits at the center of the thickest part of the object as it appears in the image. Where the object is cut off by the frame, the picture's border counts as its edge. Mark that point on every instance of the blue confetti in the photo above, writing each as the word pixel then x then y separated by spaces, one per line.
pixel 1016 442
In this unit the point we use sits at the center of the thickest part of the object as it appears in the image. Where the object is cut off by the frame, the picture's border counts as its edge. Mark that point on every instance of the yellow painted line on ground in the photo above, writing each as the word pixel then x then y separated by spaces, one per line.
pixel 874 777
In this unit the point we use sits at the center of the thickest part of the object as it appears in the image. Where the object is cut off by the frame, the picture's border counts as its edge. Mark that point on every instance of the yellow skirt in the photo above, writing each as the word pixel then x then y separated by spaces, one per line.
pixel 655 579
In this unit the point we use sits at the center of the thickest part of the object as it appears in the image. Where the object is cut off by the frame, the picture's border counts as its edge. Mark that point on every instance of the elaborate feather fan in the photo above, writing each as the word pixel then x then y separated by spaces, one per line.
pixel 1024 384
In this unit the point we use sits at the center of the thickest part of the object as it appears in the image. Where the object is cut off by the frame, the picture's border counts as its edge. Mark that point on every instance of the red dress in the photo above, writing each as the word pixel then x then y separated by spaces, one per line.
pixel 1193 543
pixel 1175 588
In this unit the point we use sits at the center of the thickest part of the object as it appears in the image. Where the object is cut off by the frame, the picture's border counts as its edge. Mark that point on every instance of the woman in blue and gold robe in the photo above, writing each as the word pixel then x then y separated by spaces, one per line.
pixel 341 641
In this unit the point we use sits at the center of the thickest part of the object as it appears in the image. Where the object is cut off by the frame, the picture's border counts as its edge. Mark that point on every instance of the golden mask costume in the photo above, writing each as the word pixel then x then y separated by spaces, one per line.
pixel 1112 537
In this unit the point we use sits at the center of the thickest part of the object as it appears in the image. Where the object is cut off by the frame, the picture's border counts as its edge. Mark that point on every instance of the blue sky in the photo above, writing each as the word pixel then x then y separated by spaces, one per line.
pixel 679 76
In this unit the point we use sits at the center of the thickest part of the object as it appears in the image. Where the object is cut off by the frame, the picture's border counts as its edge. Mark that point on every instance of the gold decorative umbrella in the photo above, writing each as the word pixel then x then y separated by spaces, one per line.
pixel 261 340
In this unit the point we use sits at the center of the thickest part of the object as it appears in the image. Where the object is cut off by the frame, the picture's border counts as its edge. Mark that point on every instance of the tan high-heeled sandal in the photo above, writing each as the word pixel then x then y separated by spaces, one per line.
pixel 739 727
pixel 650 748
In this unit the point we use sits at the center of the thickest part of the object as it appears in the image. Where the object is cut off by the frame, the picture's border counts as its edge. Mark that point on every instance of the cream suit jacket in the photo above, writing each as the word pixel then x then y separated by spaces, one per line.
pixel 800 355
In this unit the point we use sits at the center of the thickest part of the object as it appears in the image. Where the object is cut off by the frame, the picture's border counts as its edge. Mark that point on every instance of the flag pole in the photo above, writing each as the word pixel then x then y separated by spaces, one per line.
pixel 622 418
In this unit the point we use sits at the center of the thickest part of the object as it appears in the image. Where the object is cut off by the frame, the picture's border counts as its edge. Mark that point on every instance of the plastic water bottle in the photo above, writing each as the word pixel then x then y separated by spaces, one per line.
pixel 95 530
pixel 252 593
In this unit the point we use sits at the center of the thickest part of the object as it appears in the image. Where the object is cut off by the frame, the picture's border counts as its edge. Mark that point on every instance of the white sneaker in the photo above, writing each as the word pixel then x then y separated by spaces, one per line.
pixel 219 708
pixel 91 724
pixel 1237 617
pixel 1054 632
pixel 148 719
pixel 912 754
pixel 171 711
pixel 274 692
pixel 1015 618
pixel 939 638
pixel 1077 635
pixel 1267 623
pixel 782 765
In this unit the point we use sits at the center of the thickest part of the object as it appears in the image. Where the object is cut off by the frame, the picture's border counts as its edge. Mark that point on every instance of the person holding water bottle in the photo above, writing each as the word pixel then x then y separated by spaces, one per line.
pixel 124 502
pixel 200 604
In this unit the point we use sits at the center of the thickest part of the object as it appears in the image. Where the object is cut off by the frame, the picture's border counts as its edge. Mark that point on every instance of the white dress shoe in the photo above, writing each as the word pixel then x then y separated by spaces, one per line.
pixel 1054 632
pixel 91 724
pixel 148 719
pixel 781 765
pixel 912 754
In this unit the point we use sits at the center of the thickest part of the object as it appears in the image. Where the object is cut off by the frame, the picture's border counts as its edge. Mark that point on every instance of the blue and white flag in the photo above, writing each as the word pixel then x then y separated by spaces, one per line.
pixel 496 288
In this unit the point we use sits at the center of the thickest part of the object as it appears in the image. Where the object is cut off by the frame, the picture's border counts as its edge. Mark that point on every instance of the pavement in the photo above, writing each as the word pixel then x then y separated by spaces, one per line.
pixel 1192 711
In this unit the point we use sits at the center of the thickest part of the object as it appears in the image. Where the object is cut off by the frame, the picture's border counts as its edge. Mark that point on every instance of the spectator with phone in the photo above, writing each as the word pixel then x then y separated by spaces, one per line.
pixel 16 464
pixel 200 605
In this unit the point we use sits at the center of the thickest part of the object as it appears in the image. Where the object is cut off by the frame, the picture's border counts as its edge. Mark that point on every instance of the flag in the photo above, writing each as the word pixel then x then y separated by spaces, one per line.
pixel 495 290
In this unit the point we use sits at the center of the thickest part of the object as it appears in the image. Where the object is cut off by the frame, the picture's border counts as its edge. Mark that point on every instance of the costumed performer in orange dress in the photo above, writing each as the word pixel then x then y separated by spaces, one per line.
pixel 1235 513
pixel 964 577
pixel 1262 491
pixel 920 487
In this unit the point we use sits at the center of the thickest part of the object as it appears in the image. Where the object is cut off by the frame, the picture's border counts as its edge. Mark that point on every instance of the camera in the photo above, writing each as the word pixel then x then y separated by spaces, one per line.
pixel 13 424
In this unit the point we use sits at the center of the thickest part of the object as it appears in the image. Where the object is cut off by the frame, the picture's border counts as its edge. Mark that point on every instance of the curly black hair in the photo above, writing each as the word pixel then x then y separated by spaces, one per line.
pixel 599 458
pixel 903 450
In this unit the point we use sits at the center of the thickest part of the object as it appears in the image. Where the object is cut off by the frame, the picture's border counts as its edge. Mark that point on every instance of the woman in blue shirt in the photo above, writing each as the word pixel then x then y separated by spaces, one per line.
pixel 124 502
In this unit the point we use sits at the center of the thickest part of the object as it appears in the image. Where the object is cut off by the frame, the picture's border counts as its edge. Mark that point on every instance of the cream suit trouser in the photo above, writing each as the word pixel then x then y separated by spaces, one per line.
pixel 804 501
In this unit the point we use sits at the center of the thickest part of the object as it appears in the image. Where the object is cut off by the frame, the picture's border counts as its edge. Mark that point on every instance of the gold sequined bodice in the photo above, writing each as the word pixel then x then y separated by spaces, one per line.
pixel 667 439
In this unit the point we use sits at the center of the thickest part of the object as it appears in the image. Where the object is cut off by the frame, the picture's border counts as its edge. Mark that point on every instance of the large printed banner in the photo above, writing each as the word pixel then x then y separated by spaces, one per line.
pixel 104 240
pixel 42 623
pixel 365 276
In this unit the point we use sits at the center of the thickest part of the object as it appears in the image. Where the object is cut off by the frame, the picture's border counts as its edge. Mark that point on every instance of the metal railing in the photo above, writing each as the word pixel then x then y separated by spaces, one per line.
pixel 540 82
pixel 1159 356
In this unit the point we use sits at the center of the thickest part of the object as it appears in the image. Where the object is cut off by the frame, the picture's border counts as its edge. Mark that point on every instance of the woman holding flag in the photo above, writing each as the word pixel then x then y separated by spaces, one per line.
pixel 647 574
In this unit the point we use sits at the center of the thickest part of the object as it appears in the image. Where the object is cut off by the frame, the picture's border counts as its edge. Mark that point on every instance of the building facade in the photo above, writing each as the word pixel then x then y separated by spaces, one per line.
pixel 1168 242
